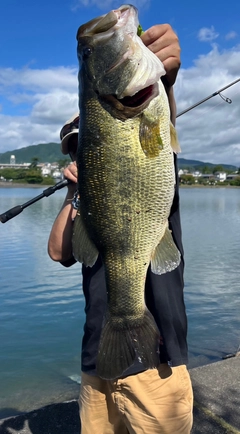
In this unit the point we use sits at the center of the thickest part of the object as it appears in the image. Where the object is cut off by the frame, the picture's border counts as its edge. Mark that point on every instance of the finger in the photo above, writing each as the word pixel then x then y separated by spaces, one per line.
pixel 71 173
pixel 169 58
pixel 73 169
pixel 154 33
pixel 163 42
pixel 171 63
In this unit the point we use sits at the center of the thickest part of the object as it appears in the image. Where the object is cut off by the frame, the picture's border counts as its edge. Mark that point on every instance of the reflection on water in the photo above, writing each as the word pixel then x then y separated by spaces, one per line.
pixel 42 305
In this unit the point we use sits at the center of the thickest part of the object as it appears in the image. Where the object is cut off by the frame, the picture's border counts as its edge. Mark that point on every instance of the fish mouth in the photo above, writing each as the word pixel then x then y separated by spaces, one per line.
pixel 130 106
pixel 141 97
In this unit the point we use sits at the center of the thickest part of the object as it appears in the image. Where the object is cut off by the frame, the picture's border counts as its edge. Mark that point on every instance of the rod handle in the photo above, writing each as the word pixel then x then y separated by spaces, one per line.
pixel 13 212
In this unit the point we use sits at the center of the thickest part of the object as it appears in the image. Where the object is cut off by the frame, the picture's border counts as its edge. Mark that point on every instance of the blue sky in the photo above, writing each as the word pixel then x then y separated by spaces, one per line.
pixel 38 70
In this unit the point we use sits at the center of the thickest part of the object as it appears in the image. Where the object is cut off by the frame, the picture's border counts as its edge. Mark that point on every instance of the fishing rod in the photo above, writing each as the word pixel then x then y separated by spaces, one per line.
pixel 13 212
pixel 218 92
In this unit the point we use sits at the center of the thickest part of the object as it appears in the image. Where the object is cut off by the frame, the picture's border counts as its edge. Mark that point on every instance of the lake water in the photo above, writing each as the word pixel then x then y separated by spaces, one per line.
pixel 42 305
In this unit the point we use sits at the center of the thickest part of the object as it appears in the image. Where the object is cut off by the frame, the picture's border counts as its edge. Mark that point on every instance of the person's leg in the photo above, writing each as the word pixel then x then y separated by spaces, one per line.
pixel 158 401
pixel 98 412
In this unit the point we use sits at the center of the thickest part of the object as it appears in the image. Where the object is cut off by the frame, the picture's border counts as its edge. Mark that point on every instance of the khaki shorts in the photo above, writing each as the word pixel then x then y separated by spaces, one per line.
pixel 157 401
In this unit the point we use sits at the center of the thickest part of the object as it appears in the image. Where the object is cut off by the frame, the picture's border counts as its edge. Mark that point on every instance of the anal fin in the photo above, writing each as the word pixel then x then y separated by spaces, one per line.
pixel 166 256
pixel 84 249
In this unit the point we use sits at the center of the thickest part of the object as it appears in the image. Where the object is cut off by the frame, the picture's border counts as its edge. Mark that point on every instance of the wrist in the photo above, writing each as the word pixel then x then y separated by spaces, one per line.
pixel 72 187
pixel 70 194
pixel 172 104
pixel 166 83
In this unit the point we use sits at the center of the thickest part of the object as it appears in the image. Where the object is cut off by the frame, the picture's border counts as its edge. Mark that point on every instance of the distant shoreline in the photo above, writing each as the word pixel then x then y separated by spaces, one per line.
pixel 16 185
pixel 207 186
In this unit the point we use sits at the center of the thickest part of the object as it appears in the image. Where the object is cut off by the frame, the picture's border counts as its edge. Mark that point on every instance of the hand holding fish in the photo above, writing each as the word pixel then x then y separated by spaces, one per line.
pixel 163 41
pixel 70 172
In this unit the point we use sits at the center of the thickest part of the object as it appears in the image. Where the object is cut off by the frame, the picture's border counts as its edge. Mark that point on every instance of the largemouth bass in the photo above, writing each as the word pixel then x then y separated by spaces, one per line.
pixel 126 181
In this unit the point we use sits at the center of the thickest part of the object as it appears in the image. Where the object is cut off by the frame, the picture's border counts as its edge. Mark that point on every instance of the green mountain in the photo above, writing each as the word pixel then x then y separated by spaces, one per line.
pixel 51 152
pixel 45 152
pixel 192 165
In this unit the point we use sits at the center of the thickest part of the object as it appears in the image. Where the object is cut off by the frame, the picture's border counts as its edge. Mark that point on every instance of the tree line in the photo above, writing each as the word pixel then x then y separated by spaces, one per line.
pixel 29 175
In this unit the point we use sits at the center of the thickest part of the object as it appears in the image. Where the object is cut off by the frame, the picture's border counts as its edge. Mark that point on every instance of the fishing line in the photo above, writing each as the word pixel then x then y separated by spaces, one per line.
pixel 218 92
pixel 203 113
pixel 226 99
pixel 220 103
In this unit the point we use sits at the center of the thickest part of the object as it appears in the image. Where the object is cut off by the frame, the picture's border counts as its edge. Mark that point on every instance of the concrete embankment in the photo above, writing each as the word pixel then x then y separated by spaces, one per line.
pixel 216 408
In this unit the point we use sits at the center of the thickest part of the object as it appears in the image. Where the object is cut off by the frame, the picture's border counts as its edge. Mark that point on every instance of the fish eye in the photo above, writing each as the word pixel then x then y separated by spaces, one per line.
pixel 86 52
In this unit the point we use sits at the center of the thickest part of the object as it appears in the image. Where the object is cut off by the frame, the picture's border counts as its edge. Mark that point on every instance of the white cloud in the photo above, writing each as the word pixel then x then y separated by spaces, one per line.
pixel 38 79
pixel 51 97
pixel 209 132
pixel 207 34
pixel 231 35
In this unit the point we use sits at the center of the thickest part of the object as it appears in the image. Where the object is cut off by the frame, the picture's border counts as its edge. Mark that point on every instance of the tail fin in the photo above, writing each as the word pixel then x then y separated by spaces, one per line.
pixel 125 341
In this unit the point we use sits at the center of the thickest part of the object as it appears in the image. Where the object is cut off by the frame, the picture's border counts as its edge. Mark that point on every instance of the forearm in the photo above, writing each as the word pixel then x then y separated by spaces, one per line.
pixel 172 104
pixel 60 239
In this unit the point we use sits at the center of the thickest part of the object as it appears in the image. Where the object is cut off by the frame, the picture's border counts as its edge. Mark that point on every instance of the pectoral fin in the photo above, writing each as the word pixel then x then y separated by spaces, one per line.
pixel 149 135
pixel 83 248
pixel 166 256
